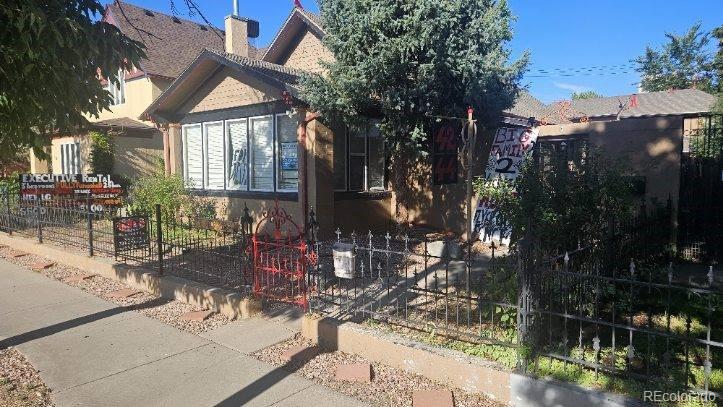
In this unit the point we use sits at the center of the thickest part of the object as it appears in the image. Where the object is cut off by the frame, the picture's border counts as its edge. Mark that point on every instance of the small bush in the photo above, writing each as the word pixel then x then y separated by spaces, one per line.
pixel 158 188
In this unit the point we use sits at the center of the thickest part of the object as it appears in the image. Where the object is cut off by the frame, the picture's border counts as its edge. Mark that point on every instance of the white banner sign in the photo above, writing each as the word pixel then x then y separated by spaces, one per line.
pixel 509 149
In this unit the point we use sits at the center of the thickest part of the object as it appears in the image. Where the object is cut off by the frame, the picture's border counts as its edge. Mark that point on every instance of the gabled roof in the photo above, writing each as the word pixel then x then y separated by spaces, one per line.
pixel 297 20
pixel 171 42
pixel 208 62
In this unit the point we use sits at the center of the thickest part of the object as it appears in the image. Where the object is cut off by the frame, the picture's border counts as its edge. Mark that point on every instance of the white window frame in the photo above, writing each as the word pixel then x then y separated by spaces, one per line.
pixel 277 155
pixel 204 139
pixel 185 151
pixel 117 89
pixel 66 167
pixel 227 142
pixel 273 154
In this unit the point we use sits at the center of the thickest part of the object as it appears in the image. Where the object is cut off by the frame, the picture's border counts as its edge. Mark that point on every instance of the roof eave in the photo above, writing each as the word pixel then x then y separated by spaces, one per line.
pixel 152 110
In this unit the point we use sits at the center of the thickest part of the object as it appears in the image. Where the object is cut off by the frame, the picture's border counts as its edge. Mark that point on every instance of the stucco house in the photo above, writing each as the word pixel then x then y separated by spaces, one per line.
pixel 171 44
pixel 233 138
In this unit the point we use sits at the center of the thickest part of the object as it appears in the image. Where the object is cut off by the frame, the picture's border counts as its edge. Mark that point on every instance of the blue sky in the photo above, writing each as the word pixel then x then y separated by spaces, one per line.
pixel 562 35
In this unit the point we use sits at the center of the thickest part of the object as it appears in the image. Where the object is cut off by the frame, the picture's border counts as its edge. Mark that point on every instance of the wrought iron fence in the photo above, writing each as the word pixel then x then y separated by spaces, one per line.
pixel 190 249
pixel 72 223
pixel 619 308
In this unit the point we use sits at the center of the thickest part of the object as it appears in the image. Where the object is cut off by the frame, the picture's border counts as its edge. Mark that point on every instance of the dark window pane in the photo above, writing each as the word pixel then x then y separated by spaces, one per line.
pixel 339 157
pixel 376 159
pixel 356 172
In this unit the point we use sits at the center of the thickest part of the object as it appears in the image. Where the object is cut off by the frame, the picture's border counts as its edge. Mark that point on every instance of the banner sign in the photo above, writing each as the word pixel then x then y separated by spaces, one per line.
pixel 102 190
pixel 445 160
pixel 488 224
pixel 130 233
pixel 289 156
pixel 509 149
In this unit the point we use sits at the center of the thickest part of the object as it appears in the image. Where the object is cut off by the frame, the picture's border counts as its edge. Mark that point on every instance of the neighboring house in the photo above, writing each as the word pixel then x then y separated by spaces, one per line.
pixel 648 133
pixel 171 44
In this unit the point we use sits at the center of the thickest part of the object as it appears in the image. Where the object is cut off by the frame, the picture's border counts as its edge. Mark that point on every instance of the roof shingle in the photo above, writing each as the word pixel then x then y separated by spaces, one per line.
pixel 171 42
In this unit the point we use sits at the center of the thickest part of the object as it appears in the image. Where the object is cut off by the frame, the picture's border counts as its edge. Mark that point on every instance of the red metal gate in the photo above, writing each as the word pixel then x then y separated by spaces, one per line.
pixel 280 258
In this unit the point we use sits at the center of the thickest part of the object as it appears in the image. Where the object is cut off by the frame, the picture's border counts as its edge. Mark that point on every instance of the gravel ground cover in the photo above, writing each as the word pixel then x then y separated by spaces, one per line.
pixel 389 386
pixel 20 383
pixel 153 306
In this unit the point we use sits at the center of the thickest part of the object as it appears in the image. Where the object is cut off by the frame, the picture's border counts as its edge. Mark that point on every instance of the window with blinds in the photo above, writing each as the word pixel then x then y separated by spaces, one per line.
pixel 193 156
pixel 117 89
pixel 70 158
pixel 215 168
pixel 261 136
pixel 247 154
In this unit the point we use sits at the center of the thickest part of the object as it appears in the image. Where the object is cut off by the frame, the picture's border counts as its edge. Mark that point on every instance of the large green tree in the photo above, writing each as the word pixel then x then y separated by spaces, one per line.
pixel 51 53
pixel 684 61
pixel 402 60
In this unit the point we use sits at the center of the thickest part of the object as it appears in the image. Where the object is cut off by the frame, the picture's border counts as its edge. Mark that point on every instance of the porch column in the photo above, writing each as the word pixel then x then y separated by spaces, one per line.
pixel 320 150
pixel 175 151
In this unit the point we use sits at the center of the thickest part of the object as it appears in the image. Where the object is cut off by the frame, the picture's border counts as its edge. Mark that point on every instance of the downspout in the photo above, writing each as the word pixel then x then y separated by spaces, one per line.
pixel 304 164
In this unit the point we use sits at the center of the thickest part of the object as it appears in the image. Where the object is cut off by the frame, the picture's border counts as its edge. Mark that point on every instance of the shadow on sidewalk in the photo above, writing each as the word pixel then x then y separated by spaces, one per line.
pixel 75 322
pixel 263 383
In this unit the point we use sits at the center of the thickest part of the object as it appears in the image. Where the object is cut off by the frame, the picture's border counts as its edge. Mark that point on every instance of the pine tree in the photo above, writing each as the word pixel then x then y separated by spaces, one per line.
pixel 402 60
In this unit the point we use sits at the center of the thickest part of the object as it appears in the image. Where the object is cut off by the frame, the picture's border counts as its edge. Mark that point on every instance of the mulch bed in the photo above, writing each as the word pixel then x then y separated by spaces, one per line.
pixel 389 386
pixel 20 383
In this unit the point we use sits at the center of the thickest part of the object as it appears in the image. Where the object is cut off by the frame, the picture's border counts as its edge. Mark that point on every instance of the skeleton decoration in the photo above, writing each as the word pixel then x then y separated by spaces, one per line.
pixel 238 168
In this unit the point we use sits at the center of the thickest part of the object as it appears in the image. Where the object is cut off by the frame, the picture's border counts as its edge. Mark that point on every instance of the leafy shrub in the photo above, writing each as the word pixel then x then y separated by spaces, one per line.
pixel 9 185
pixel 102 151
pixel 158 188
pixel 562 205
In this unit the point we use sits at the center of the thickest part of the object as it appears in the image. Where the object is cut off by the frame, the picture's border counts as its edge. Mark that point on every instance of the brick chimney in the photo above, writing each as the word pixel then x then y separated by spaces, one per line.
pixel 238 32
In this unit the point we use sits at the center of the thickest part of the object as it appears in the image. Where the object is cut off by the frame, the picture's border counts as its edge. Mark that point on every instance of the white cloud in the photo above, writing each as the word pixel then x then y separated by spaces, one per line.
pixel 572 87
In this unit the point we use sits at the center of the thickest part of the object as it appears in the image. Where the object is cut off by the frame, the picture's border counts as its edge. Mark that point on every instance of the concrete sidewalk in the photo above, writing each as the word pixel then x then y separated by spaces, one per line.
pixel 92 352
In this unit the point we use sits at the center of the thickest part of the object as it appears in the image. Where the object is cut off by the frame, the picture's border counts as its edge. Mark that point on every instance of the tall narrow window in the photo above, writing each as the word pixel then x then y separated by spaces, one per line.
pixel 339 157
pixel 70 158
pixel 237 153
pixel 215 162
pixel 375 158
pixel 117 89
pixel 262 153
pixel 288 152
pixel 357 159
pixel 193 156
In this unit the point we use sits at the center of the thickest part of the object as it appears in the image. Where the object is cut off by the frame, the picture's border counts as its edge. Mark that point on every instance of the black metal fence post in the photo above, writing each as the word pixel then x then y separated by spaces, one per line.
pixel 159 239
pixel 37 218
pixel 90 226
pixel 7 210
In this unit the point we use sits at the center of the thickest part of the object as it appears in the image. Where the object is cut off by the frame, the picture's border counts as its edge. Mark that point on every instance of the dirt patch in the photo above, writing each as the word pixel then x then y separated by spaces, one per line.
pixel 389 386
pixel 20 383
